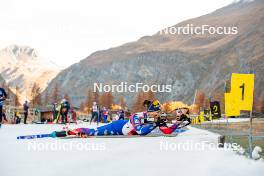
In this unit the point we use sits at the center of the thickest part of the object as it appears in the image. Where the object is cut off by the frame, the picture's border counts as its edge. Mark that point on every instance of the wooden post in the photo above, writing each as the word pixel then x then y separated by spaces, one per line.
pixel 250 135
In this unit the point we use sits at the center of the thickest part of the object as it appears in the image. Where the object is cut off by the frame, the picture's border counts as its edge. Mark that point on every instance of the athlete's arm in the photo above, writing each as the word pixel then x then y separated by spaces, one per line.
pixel 144 129
pixel 141 128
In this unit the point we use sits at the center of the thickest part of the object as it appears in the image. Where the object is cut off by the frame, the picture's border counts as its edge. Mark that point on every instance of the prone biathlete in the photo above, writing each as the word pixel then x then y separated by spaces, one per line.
pixel 182 120
pixel 136 125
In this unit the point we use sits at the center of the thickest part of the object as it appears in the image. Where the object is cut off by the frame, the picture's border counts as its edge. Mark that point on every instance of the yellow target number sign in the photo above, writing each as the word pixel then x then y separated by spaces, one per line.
pixel 241 94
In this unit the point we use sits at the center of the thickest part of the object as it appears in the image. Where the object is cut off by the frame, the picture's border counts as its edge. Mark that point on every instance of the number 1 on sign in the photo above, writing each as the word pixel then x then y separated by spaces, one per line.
pixel 243 90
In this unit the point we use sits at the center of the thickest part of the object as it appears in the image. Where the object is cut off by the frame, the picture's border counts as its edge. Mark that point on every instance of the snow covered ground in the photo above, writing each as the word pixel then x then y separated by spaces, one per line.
pixel 179 155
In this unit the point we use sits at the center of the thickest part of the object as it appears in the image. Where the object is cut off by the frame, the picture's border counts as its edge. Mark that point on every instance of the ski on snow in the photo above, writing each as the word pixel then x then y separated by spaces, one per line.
pixel 34 136
pixel 105 136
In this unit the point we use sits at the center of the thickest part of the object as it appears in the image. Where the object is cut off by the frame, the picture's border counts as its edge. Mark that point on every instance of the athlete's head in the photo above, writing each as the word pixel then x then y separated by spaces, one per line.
pixel 146 103
pixel 152 106
pixel 179 112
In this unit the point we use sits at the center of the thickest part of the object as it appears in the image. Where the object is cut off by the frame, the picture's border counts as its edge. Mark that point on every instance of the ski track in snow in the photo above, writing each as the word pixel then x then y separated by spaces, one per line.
pixel 122 156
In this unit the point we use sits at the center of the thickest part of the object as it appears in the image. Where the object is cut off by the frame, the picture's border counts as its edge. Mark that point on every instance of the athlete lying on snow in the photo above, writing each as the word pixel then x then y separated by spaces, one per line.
pixel 136 125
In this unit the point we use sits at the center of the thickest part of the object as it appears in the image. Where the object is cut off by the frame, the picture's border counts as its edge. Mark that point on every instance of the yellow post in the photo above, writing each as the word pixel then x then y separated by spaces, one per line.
pixel 201 117
pixel 210 116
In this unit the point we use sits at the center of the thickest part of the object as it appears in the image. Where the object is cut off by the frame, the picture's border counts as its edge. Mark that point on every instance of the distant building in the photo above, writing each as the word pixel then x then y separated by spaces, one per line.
pixel 46 113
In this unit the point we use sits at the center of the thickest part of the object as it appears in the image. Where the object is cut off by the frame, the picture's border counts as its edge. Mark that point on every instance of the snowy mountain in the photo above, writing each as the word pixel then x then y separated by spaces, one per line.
pixel 22 66
pixel 187 62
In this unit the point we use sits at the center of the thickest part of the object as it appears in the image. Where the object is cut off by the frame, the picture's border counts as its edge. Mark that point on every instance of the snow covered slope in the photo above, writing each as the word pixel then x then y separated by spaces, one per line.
pixel 118 156
pixel 22 66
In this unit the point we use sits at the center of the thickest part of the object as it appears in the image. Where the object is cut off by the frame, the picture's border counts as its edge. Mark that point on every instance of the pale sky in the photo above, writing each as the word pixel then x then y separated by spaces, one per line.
pixel 66 31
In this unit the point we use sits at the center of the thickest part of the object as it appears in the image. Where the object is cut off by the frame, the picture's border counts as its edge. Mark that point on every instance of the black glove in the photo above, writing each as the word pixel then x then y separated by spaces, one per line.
pixel 161 122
